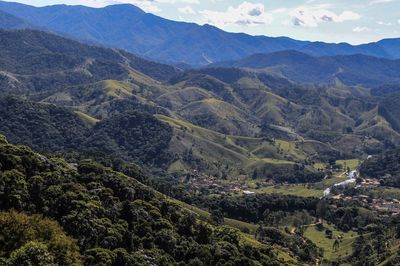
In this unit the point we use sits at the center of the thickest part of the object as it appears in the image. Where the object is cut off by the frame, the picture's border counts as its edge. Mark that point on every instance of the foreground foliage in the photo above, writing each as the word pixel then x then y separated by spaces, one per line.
pixel 34 240
pixel 115 219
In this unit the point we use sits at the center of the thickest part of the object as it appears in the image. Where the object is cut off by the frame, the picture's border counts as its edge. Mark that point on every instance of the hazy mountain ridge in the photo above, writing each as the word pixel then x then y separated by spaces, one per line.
pixel 352 70
pixel 8 21
pixel 170 41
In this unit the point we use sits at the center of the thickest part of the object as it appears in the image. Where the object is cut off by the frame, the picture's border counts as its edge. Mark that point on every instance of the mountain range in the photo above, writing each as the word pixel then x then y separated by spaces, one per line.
pixel 352 70
pixel 260 111
pixel 128 27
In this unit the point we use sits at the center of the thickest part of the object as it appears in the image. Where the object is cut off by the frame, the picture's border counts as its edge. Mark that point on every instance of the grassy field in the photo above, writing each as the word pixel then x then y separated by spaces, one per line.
pixel 276 161
pixel 319 238
pixel 324 184
pixel 87 118
pixel 386 192
pixel 290 148
pixel 236 152
pixel 293 190
pixel 319 165
pixel 352 164
pixel 301 190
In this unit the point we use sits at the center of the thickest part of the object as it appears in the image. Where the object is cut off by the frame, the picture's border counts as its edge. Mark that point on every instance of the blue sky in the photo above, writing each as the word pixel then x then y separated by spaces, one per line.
pixel 353 21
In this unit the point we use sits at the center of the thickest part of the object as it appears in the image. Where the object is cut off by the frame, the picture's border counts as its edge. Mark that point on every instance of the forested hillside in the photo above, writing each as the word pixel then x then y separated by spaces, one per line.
pixel 115 219
pixel 131 135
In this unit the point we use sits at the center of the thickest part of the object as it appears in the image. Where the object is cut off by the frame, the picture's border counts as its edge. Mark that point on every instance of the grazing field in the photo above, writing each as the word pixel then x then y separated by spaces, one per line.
pixel 293 190
pixel 319 238
pixel 87 118
pixel 324 184
pixel 276 161
pixel 233 152
pixel 319 165
pixel 301 190
pixel 386 192
pixel 352 164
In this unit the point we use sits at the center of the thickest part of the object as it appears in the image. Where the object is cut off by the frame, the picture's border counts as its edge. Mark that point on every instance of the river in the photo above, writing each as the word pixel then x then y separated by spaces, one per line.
pixel 351 178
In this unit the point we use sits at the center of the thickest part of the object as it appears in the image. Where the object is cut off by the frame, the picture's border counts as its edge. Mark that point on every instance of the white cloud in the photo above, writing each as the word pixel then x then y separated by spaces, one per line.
pixel 384 23
pixel 177 1
pixel 186 10
pixel 246 14
pixel 376 2
pixel 312 16
pixel 361 29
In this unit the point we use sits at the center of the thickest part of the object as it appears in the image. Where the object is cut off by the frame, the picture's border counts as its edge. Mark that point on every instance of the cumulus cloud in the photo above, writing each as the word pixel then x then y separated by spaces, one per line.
pixel 186 10
pixel 361 29
pixel 246 14
pixel 312 16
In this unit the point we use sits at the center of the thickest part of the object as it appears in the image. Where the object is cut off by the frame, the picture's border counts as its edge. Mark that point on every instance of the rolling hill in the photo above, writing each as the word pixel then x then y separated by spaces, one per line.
pixel 239 119
pixel 127 27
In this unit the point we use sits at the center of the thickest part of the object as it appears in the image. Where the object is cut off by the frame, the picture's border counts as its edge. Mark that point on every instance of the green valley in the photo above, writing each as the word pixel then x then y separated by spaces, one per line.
pixel 110 159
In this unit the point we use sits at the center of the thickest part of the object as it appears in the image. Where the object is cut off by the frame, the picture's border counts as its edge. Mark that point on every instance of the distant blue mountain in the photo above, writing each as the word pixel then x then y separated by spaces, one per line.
pixel 355 69
pixel 8 21
pixel 130 28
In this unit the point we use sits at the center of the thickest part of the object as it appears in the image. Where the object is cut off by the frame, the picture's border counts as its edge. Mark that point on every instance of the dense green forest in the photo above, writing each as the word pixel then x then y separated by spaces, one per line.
pixel 132 135
pixel 115 219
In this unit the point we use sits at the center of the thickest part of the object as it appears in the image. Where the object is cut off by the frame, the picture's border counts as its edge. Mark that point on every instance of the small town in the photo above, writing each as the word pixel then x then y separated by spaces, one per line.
pixel 384 207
